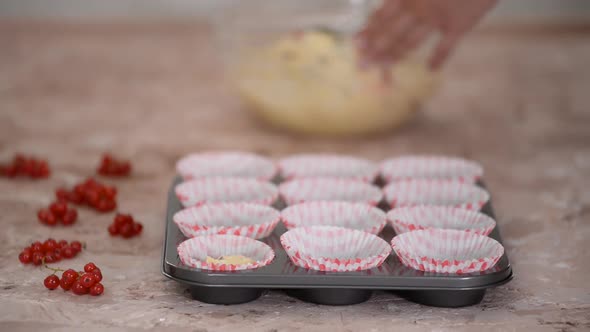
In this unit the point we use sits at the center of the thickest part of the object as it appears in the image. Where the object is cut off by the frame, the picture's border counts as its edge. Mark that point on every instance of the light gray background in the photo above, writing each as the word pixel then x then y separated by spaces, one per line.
pixel 508 10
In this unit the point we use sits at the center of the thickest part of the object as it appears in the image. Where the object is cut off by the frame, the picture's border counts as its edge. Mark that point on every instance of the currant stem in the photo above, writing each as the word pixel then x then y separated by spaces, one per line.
pixel 55 270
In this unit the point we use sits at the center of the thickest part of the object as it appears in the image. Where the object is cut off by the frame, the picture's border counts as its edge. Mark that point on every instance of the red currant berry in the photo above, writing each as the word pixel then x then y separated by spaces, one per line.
pixel 62 243
pixel 49 245
pixel 44 169
pixel 92 197
pixel 76 198
pixel 122 219
pixel 57 255
pixel 43 214
pixel 88 280
pixel 113 229
pixel 125 168
pixel 97 275
pixel 28 166
pixel 96 289
pixel 51 282
pixel 106 205
pixel 137 228
pixel 48 258
pixel 66 284
pixel 76 246
pixel 67 252
pixel 110 192
pixel 78 288
pixel 37 258
pixel 25 257
pixel 51 220
pixel 11 171
pixel 69 217
pixel 58 208
pixel 70 274
pixel 91 183
pixel 37 246
pixel 80 189
pixel 126 231
pixel 107 158
pixel 89 267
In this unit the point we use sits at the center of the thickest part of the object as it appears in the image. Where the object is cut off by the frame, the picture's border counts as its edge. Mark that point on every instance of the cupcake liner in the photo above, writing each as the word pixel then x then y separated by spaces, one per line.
pixel 335 213
pixel 327 165
pixel 290 268
pixel 435 192
pixel 225 163
pixel 447 251
pixel 430 167
pixel 329 189
pixel 225 190
pixel 408 219
pixel 244 219
pixel 193 252
pixel 336 249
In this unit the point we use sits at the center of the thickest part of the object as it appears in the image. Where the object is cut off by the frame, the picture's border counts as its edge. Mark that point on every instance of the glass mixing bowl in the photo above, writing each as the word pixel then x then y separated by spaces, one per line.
pixel 294 64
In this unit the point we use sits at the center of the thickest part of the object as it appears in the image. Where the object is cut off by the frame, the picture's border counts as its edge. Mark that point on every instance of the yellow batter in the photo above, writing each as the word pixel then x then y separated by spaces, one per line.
pixel 311 82
pixel 234 259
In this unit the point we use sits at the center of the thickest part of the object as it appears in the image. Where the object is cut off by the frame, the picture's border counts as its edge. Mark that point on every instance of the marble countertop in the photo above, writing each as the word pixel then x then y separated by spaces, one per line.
pixel 515 100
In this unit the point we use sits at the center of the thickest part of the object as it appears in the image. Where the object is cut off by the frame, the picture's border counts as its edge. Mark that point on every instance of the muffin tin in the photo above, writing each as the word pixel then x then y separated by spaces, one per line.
pixel 332 288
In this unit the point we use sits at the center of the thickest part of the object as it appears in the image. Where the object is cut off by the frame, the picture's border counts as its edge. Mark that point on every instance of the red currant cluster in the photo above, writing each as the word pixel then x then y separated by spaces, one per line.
pixel 86 282
pixel 92 193
pixel 23 166
pixel 110 166
pixel 58 212
pixel 124 225
pixel 50 251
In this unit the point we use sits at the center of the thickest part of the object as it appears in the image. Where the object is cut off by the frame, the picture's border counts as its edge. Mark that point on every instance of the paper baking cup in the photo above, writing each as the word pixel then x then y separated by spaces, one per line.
pixel 230 163
pixel 244 219
pixel 193 252
pixel 447 251
pixel 336 249
pixel 327 165
pixel 431 167
pixel 408 219
pixel 435 192
pixel 225 190
pixel 329 189
pixel 333 213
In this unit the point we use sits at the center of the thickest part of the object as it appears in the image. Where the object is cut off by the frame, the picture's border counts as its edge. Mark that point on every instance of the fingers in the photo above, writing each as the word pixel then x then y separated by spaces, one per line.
pixel 379 21
pixel 405 44
pixel 392 36
pixel 442 51
pixel 391 32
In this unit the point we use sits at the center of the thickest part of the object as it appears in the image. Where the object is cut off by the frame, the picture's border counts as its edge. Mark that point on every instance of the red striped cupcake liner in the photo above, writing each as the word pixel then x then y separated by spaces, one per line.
pixel 408 219
pixel 335 249
pixel 327 165
pixel 430 167
pixel 226 190
pixel 193 252
pixel 435 192
pixel 244 219
pixel 335 213
pixel 447 251
pixel 329 189
pixel 226 163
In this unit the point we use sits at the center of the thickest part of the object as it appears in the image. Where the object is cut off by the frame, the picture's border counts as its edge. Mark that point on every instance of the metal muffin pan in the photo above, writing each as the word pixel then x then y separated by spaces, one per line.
pixel 331 288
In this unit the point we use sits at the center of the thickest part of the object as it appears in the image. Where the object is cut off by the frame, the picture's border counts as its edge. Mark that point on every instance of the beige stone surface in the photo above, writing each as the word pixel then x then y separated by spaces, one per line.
pixel 516 101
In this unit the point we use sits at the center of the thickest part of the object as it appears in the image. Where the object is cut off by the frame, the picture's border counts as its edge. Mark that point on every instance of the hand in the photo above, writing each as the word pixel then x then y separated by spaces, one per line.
pixel 399 26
